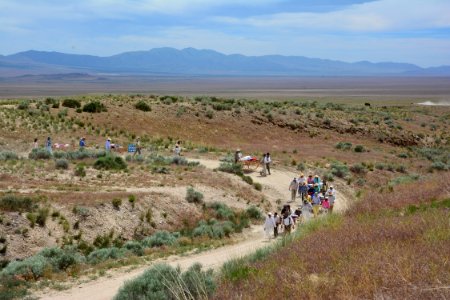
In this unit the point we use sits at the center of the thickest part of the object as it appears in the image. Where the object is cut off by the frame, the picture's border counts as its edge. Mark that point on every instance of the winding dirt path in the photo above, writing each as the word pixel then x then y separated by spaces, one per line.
pixel 275 187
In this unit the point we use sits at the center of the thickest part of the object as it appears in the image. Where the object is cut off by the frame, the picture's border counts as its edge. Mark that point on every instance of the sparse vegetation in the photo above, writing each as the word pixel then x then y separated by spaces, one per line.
pixel 193 196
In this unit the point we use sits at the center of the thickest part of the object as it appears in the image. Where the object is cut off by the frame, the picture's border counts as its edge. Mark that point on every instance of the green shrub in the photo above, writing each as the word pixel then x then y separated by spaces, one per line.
pixel 40 153
pixel 301 167
pixel 222 211
pixel 160 238
pixel 116 202
pixel 101 255
pixel 16 203
pixel 200 284
pixel 61 259
pixel 247 179
pixel 110 162
pixel 134 247
pixel 328 176
pixel 132 199
pixel 209 114
pixel 231 168
pixel 338 169
pixel 400 169
pixel 142 105
pixel 23 105
pixel 257 186
pixel 71 103
pixel 32 218
pixel 94 107
pixel 193 196
pixel 358 169
pixel 439 166
pixel 81 211
pixel 344 146
pixel 359 148
pixel 41 216
pixel 30 268
pixel 80 171
pixel 253 212
pixel 62 164
pixel 8 155
pixel 154 284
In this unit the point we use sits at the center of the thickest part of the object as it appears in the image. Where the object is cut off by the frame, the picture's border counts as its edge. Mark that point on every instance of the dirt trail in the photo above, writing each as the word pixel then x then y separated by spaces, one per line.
pixel 275 187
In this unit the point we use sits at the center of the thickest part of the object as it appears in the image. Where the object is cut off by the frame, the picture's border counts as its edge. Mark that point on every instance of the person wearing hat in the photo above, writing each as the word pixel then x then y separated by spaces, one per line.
pixel 310 179
pixel 108 145
pixel 293 187
pixel 331 194
pixel 269 225
pixel 237 156
pixel 82 143
pixel 303 190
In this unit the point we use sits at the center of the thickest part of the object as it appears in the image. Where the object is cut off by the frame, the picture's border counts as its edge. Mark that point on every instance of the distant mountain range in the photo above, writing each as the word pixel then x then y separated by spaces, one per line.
pixel 190 61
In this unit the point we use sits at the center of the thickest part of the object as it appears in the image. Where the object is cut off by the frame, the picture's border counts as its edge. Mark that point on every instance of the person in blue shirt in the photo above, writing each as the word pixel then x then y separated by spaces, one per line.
pixel 108 145
pixel 82 143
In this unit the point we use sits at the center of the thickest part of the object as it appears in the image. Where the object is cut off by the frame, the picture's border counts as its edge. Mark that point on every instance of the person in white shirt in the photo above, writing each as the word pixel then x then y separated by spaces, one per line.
pixel 267 161
pixel 331 194
pixel 269 225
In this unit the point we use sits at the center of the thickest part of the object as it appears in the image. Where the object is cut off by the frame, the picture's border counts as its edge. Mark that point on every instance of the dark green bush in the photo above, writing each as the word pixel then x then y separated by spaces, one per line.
pixel 193 196
pixel 142 105
pixel 94 107
pixel 110 162
pixel 359 148
pixel 71 103
pixel 116 202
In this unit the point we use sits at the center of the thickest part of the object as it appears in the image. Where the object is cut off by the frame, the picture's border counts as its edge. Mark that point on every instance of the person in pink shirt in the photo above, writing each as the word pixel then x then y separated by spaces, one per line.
pixel 325 204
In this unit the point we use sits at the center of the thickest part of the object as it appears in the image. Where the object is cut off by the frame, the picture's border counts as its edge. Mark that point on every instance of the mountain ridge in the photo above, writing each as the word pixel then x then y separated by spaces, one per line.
pixel 191 61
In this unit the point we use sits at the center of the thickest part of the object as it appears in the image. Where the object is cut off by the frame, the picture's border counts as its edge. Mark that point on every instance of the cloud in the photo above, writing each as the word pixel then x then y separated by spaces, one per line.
pixel 379 16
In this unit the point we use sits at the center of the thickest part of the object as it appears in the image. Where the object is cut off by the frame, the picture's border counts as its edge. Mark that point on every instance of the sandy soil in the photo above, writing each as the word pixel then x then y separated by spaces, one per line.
pixel 275 187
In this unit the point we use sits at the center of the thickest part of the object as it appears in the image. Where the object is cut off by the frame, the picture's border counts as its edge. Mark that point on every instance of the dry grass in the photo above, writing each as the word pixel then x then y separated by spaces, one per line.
pixel 382 249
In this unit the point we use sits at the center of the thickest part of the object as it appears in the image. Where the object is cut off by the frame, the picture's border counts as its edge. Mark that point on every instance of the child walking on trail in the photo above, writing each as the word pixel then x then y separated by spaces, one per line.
pixel 277 220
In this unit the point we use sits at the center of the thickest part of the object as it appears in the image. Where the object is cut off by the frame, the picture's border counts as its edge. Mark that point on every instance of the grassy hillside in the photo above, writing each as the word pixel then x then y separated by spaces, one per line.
pixel 394 159
pixel 392 244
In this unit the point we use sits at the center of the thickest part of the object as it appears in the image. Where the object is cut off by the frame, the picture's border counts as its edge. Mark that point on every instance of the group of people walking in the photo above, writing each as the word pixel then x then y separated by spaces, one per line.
pixel 315 197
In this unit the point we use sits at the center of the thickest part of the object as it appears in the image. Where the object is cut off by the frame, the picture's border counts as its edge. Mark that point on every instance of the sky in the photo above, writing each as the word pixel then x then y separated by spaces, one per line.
pixel 412 31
